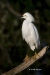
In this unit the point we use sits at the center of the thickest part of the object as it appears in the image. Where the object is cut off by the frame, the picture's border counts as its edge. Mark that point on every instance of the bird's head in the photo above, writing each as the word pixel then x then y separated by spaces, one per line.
pixel 28 17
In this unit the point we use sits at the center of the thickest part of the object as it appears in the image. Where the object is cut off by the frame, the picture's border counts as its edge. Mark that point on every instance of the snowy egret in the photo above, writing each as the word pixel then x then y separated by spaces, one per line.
pixel 29 31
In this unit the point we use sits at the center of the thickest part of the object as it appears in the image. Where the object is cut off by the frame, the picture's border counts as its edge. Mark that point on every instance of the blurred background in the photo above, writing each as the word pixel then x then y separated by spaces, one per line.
pixel 12 47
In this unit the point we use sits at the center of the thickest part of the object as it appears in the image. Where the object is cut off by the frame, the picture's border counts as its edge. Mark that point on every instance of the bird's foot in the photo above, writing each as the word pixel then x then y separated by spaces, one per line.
pixel 26 58
pixel 36 55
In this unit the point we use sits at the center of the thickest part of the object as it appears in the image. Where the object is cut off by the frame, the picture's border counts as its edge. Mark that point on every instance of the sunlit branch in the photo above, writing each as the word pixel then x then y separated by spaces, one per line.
pixel 27 63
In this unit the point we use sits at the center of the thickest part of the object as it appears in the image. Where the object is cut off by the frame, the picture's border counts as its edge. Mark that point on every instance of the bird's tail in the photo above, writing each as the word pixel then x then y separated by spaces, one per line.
pixel 32 48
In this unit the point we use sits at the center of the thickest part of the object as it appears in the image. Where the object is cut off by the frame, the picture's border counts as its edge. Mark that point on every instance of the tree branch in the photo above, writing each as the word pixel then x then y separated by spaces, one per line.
pixel 27 63
pixel 11 9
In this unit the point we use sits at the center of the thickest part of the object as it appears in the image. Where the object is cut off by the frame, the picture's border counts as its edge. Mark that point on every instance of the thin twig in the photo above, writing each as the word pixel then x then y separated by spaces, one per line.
pixel 27 63
pixel 11 9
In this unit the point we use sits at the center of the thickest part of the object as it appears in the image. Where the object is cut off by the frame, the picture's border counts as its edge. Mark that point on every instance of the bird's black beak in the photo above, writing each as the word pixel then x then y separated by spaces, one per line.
pixel 20 17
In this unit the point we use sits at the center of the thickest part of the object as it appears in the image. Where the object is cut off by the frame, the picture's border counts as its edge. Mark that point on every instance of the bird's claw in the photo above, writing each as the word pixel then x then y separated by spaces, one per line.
pixel 26 58
pixel 36 55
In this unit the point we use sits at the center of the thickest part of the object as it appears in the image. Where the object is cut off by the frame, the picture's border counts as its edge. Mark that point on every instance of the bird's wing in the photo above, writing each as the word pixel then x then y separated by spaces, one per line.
pixel 34 34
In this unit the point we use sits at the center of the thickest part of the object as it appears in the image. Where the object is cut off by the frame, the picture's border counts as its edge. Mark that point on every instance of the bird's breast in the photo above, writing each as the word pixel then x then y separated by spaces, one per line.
pixel 25 30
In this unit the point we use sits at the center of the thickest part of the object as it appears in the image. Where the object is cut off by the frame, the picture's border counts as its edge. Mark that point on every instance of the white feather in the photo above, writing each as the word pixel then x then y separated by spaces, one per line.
pixel 30 33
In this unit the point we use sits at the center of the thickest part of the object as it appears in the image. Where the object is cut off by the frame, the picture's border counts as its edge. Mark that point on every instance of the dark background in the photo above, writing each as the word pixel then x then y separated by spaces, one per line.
pixel 12 47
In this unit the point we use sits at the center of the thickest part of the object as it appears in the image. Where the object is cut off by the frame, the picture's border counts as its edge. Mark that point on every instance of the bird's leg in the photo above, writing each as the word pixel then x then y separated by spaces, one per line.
pixel 26 58
pixel 36 55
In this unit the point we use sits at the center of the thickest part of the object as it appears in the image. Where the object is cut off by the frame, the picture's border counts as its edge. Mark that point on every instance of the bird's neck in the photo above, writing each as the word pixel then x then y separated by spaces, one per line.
pixel 27 21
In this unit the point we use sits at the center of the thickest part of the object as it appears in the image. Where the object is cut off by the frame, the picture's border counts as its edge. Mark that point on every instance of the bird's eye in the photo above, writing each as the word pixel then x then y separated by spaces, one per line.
pixel 24 15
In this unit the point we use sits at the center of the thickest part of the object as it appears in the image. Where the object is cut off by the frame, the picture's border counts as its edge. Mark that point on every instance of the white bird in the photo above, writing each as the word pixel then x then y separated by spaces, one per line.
pixel 29 31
